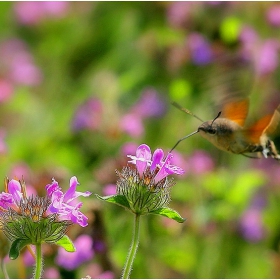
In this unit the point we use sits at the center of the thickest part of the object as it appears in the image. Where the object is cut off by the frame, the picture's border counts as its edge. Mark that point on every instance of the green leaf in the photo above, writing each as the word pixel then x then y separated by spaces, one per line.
pixel 116 199
pixel 66 243
pixel 16 247
pixel 169 213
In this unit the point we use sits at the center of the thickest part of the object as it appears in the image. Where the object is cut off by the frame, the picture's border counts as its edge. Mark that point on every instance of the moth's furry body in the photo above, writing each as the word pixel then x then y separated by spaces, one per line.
pixel 229 136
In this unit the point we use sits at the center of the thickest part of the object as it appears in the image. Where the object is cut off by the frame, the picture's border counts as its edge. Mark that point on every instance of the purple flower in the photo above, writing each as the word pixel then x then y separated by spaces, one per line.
pixel 51 273
pixel 132 124
pixel 200 49
pixel 18 63
pixel 128 148
pixel 273 15
pixel 64 204
pixel 150 104
pixel 13 196
pixel 88 115
pixel 162 167
pixel 252 226
pixel 267 58
pixel 201 162
pixel 147 187
pixel 84 252
pixel 251 223
pixel 110 189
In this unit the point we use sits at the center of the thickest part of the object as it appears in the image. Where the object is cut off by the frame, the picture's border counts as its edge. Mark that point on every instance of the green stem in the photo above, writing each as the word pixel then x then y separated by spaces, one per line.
pixel 133 248
pixel 3 267
pixel 39 260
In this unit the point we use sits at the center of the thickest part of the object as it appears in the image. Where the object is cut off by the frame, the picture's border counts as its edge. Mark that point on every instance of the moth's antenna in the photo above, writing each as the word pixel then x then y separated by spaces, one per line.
pixel 185 110
pixel 182 140
pixel 216 118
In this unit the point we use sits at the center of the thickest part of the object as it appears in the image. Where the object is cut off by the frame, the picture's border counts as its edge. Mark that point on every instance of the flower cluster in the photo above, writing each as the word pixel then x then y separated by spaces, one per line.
pixel 145 189
pixel 156 164
pixel 34 219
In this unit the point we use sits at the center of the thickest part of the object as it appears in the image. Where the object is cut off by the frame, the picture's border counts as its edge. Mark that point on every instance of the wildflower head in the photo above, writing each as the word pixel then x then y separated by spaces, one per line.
pixel 34 220
pixel 144 186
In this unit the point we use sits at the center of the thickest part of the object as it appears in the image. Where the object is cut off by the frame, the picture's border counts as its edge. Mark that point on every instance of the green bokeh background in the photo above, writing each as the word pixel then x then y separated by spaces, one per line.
pixel 114 51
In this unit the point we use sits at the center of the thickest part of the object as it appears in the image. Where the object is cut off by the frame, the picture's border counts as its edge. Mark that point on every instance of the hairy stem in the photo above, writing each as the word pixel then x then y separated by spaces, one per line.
pixel 39 261
pixel 133 248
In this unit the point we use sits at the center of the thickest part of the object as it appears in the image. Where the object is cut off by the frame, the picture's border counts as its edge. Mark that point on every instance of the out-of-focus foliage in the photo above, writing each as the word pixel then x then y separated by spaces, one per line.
pixel 82 84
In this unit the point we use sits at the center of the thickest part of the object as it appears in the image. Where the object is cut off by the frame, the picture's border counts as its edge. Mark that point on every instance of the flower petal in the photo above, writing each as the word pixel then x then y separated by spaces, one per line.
pixel 51 188
pixel 6 199
pixel 142 159
pixel 72 189
pixel 15 190
pixel 168 169
pixel 71 193
pixel 157 158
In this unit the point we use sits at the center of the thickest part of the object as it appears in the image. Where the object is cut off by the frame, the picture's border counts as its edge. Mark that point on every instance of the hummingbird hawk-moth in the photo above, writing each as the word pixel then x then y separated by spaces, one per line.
pixel 228 131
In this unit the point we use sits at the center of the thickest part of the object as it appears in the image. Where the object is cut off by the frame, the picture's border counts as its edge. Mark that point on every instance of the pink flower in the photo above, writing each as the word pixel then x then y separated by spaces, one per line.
pixel 132 124
pixel 162 167
pixel 63 203
pixel 32 12
pixel 110 189
pixel 13 196
pixel 273 15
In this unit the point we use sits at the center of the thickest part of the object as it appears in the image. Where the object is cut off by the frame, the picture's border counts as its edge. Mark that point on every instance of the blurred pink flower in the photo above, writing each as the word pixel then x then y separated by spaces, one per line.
pixel 28 259
pixel 249 39
pixel 51 273
pixel 20 170
pixel 32 12
pixel 132 125
pixel 267 57
pixel 17 63
pixel 110 189
pixel 88 115
pixel 6 90
pixel 270 168
pixel 128 148
pixel 178 13
pixel 84 253
pixel 106 275
pixel 201 162
pixel 150 104
pixel 273 15
pixel 24 72
pixel 252 226
pixel 263 54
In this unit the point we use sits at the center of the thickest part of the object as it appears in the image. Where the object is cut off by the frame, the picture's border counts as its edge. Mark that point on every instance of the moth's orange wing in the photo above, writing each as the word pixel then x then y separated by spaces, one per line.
pixel 255 131
pixel 236 111
pixel 274 122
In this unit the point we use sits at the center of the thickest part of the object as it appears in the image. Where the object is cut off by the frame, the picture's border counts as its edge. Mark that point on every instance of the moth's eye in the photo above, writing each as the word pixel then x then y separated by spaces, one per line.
pixel 211 130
